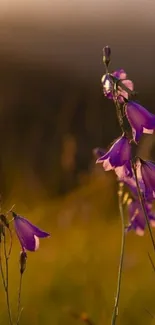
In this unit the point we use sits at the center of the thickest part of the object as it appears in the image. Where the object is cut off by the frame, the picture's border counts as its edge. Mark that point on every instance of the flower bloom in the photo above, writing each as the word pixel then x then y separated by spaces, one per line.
pixel 136 217
pixel 118 158
pixel 108 85
pixel 27 233
pixel 146 170
pixel 130 182
pixel 141 120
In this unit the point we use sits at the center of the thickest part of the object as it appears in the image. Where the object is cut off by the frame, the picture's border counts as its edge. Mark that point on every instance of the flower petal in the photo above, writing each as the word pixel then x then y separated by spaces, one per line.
pixel 28 233
pixel 140 119
pixel 118 157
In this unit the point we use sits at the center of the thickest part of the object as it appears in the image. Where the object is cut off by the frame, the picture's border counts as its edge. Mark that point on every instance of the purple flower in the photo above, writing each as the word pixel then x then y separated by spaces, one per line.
pixel 131 184
pixel 108 85
pixel 146 170
pixel 140 119
pixel 118 158
pixel 27 233
pixel 136 217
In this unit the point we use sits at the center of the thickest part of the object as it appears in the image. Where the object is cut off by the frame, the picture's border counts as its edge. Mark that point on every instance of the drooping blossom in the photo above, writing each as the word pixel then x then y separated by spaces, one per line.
pixel 146 170
pixel 28 233
pixel 108 85
pixel 137 220
pixel 130 183
pixel 118 158
pixel 140 119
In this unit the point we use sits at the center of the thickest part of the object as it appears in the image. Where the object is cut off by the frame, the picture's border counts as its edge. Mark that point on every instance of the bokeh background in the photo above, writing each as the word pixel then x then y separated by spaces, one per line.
pixel 52 115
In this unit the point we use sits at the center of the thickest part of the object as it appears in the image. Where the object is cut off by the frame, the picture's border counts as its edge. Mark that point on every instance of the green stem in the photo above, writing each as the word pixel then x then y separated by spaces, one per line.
pixel 115 311
pixel 141 200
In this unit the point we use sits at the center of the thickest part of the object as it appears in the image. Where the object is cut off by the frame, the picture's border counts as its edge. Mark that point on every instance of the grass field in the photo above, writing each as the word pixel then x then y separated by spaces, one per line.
pixel 75 270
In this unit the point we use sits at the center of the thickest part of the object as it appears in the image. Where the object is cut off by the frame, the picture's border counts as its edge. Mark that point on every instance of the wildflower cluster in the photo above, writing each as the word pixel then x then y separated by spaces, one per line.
pixel 28 236
pixel 137 174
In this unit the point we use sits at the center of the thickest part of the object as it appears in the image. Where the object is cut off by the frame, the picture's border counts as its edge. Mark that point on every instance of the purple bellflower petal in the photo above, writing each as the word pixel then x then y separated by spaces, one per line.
pixel 136 217
pixel 118 158
pixel 131 184
pixel 27 233
pixel 108 85
pixel 147 170
pixel 141 120
pixel 120 74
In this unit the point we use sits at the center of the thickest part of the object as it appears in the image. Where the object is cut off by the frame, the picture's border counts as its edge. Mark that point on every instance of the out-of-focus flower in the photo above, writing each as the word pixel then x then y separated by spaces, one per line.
pixel 27 233
pixel 98 152
pixel 118 158
pixel 141 120
pixel 130 182
pixel 137 220
pixel 108 85
pixel 146 170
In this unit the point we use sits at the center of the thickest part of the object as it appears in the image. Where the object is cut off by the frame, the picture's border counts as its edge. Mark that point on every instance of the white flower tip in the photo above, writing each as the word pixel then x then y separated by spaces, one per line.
pixel 152 223
pixel 36 242
pixel 99 161
pixel 139 231
pixel 147 131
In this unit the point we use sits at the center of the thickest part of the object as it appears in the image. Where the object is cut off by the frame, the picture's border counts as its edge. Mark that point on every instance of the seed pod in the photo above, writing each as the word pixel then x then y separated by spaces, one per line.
pixel 22 261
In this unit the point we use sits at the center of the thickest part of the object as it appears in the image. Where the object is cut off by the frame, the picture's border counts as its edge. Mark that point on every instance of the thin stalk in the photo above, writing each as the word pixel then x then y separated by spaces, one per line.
pixel 141 200
pixel 7 282
pixel 151 261
pixel 115 311
pixel 1 268
pixel 10 248
pixel 19 299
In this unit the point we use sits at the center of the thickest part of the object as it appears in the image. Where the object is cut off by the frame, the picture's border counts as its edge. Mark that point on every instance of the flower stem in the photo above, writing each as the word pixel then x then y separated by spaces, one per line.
pixel 141 200
pixel 115 311
pixel 1 268
pixel 7 282
pixel 19 299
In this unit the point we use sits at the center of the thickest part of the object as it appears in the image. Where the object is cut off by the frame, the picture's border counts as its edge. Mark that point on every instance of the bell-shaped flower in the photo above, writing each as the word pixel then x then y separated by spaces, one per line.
pixel 27 233
pixel 108 85
pixel 130 182
pixel 118 158
pixel 146 170
pixel 140 119
pixel 137 220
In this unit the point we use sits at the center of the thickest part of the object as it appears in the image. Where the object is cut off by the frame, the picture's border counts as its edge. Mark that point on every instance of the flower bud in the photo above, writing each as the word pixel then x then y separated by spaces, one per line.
pixel 106 55
pixel 22 261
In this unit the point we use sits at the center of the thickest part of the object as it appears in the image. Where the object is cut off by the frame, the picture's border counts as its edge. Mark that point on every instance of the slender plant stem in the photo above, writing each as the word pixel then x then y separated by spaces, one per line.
pixel 19 299
pixel 115 311
pixel 10 248
pixel 151 261
pixel 1 268
pixel 7 282
pixel 141 200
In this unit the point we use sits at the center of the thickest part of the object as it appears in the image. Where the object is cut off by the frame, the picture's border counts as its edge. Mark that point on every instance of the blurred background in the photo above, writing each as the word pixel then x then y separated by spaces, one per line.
pixel 52 115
